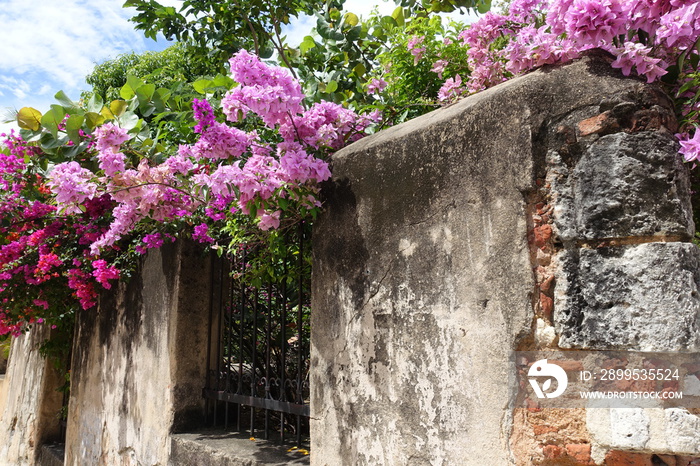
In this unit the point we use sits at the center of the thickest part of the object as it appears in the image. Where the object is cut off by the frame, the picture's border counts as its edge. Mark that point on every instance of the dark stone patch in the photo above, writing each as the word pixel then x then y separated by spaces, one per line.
pixel 641 297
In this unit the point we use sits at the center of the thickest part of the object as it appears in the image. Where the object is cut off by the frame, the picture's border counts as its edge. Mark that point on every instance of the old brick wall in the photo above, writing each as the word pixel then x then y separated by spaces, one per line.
pixel 550 212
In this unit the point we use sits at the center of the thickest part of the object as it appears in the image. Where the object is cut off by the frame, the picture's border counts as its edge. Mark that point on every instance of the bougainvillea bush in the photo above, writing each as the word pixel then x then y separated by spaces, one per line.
pixel 657 40
pixel 75 226
pixel 87 188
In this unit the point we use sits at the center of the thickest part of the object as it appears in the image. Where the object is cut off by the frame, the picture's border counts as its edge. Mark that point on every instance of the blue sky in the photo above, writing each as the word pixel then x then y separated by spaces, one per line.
pixel 52 45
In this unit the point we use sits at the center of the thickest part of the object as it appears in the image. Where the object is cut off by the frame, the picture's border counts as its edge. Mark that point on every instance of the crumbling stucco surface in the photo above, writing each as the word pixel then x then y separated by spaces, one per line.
pixel 509 221
pixel 139 361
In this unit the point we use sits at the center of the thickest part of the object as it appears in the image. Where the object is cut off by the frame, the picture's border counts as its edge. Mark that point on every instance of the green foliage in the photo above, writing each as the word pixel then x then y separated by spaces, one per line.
pixel 5 348
pixel 412 85
pixel 334 62
pixel 217 29
pixel 168 68
pixel 427 7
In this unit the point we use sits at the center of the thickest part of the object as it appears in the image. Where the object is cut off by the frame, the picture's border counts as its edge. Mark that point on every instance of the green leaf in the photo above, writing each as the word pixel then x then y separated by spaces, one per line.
pixel 73 126
pixel 331 87
pixel 129 120
pixel 65 101
pixel 93 120
pixel 133 81
pixel 95 103
pixel 307 44
pixel 694 60
pixel 146 91
pixel 29 118
pixel 398 15
pixel 126 92
pixel 354 34
pixel 359 70
pixel 267 50
pixel 483 6
pixel 388 23
pixel 686 87
pixel 75 150
pixel 223 81
pixel 129 89
pixel 116 109
pixel 334 13
pixel 164 94
pixel 144 95
pixel 351 19
pixel 51 119
pixel 324 30
pixel 201 85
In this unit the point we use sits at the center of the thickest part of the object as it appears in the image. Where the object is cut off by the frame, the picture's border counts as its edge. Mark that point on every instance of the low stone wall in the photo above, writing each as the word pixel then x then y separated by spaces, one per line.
pixel 551 212
pixel 139 362
pixel 29 400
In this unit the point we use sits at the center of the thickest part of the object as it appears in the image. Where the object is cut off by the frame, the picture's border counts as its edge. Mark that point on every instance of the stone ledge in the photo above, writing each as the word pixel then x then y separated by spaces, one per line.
pixel 52 454
pixel 218 448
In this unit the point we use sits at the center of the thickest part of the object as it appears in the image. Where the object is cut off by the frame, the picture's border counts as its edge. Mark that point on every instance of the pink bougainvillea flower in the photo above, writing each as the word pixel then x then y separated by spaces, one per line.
pixel 376 86
pixel 690 147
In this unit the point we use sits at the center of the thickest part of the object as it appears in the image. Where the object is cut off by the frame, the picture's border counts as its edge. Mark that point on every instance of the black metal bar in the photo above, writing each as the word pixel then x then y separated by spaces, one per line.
pixel 253 388
pixel 300 327
pixel 268 333
pixel 262 403
pixel 283 361
pixel 220 332
pixel 212 271
pixel 277 375
pixel 244 263
pixel 230 329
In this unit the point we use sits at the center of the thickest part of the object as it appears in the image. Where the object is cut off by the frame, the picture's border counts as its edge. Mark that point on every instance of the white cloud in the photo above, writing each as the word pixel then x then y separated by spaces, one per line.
pixel 64 39
pixel 52 45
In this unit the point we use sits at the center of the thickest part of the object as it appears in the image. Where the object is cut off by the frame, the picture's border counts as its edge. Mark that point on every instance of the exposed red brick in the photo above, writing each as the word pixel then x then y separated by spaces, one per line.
pixel 542 235
pixel 581 452
pixel 623 458
pixel 597 124
pixel 533 406
pixel 692 367
pixel 552 451
pixel 547 306
pixel 670 460
pixel 547 283
pixel 543 429
pixel 568 366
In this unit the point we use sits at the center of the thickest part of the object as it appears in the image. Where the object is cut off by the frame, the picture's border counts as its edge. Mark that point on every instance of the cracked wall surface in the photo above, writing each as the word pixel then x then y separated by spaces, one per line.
pixel 544 213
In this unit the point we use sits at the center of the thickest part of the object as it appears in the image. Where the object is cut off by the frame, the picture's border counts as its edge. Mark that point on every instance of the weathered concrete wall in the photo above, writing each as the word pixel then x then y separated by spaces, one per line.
pixel 30 403
pixel 547 212
pixel 139 363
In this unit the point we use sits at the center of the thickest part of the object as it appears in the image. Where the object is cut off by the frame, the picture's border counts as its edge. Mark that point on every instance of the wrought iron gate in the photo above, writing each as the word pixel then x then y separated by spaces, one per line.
pixel 259 340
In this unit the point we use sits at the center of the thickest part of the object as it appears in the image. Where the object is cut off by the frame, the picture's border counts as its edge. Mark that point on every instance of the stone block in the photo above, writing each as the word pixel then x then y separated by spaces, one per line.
pixel 643 297
pixel 623 185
